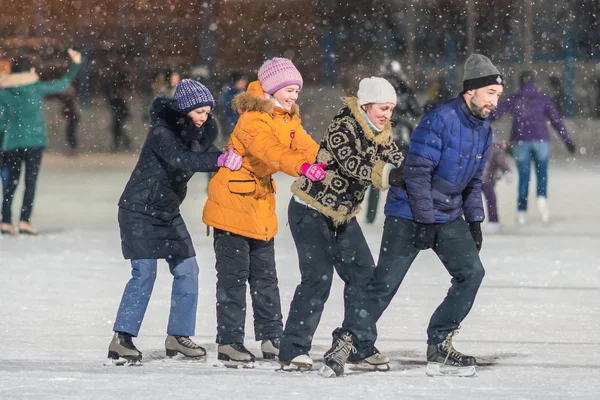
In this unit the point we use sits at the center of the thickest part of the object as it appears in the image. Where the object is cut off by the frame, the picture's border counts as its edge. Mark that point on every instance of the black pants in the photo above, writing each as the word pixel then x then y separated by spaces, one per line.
pixel 11 173
pixel 120 137
pixel 456 249
pixel 372 202
pixel 322 247
pixel 72 125
pixel 240 260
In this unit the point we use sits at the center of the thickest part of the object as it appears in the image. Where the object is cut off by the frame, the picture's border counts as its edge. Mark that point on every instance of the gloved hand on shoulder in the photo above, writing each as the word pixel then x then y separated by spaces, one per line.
pixel 314 172
pixel 396 177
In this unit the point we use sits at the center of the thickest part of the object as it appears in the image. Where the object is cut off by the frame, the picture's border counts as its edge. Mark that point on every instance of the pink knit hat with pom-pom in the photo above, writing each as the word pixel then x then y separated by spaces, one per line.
pixel 278 73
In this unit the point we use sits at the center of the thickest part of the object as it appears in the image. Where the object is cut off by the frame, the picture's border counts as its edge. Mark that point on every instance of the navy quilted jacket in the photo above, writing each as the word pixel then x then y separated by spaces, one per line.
pixel 443 168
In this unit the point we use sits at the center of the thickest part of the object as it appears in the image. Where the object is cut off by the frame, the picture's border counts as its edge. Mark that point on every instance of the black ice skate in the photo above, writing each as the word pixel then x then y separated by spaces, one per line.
pixel 185 346
pixel 122 351
pixel 234 355
pixel 376 361
pixel 270 348
pixel 336 357
pixel 443 359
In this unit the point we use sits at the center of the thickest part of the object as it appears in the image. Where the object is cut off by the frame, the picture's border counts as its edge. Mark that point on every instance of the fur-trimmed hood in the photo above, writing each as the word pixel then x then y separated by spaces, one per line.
pixel 163 111
pixel 255 100
pixel 18 79
pixel 384 137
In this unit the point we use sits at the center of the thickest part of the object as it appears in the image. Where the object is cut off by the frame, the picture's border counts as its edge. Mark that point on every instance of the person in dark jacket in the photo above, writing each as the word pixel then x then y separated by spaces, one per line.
pixel 530 139
pixel 70 110
pixel 357 151
pixel 495 167
pixel 25 138
pixel 151 226
pixel 237 85
pixel 119 109
pixel 439 207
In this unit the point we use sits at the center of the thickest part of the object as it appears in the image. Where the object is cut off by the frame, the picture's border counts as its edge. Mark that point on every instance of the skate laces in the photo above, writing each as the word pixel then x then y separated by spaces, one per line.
pixel 449 347
pixel 343 347
pixel 187 342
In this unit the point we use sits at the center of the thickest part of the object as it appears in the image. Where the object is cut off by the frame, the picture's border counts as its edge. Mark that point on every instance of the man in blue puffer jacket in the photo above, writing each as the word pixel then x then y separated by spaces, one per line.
pixel 438 206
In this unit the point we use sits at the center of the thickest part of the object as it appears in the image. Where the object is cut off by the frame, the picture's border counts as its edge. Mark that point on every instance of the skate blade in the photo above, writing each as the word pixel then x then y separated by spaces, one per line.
pixel 183 357
pixel 326 372
pixel 237 364
pixel 296 367
pixel 437 369
pixel 366 366
pixel 119 362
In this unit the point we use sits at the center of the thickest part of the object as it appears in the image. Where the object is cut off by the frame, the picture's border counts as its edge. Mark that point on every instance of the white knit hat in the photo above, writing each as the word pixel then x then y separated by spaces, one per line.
pixel 376 90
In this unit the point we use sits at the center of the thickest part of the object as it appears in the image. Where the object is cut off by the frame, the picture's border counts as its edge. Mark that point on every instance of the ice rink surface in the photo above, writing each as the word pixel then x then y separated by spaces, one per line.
pixel 534 327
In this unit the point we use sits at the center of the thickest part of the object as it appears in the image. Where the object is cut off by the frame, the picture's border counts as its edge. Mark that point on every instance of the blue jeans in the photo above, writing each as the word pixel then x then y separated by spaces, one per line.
pixel 523 153
pixel 184 297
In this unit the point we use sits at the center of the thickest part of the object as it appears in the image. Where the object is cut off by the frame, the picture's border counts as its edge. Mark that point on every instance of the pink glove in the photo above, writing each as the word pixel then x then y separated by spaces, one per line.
pixel 314 172
pixel 230 160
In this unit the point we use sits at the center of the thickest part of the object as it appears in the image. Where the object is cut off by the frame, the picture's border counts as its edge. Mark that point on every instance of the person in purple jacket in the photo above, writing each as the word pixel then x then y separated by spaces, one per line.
pixel 530 139
pixel 438 207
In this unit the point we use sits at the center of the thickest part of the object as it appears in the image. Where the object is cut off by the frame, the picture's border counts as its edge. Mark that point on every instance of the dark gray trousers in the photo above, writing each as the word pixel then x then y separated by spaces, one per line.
pixel 322 247
pixel 240 260
pixel 456 249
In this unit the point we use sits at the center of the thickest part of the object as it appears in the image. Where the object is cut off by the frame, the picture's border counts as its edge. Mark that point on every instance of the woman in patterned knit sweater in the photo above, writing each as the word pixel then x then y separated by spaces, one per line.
pixel 357 151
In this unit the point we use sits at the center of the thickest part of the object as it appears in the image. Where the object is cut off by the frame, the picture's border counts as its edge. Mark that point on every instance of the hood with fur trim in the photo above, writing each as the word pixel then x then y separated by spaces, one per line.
pixel 254 99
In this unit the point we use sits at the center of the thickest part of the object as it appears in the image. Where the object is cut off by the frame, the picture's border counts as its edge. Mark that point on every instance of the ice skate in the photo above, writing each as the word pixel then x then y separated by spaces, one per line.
pixel 235 355
pixel 270 348
pixel 299 363
pixel 376 362
pixel 122 351
pixel 542 205
pixel 444 360
pixel 185 346
pixel 521 217
pixel 336 357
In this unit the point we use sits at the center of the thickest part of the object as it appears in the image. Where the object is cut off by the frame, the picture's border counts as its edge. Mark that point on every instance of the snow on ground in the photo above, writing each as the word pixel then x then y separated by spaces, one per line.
pixel 534 326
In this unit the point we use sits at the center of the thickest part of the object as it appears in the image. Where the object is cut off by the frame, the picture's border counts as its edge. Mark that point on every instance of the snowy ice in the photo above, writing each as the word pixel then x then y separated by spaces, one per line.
pixel 534 327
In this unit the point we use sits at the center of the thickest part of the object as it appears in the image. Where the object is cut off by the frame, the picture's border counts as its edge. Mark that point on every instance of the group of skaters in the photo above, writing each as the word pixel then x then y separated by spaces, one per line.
pixel 435 202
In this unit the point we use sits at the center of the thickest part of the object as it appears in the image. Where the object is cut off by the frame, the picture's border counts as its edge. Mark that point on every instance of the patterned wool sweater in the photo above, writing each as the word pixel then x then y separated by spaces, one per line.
pixel 356 158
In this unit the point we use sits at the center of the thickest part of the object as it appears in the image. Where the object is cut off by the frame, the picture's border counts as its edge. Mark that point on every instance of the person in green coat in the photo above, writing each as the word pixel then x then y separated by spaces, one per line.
pixel 24 133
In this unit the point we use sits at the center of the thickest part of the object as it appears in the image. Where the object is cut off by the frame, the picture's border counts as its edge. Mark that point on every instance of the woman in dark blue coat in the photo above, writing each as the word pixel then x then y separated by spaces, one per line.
pixel 179 143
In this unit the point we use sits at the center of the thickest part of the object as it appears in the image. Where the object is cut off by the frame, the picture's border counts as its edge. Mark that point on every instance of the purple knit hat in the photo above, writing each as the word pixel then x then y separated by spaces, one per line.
pixel 278 73
pixel 190 95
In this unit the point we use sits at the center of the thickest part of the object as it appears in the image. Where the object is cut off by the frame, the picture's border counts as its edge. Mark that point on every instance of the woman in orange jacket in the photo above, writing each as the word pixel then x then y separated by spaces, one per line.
pixel 241 207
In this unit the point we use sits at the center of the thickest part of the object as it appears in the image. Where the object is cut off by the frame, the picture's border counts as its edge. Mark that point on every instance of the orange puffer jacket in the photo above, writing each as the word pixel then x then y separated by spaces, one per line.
pixel 269 139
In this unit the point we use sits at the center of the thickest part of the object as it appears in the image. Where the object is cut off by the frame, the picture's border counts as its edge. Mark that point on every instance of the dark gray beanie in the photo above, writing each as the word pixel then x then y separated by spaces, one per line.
pixel 480 72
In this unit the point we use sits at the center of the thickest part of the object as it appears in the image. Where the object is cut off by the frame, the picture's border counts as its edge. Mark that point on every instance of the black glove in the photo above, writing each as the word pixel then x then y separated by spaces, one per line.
pixel 424 236
pixel 571 147
pixel 475 228
pixel 396 177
